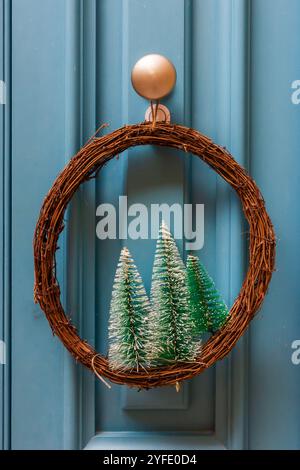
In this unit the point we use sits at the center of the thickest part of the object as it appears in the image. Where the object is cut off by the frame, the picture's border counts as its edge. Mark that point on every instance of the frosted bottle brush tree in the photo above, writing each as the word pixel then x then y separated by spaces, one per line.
pixel 171 326
pixel 207 307
pixel 129 314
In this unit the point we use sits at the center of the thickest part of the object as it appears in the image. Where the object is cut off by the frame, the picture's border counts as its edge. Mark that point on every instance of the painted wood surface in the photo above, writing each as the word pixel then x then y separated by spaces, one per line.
pixel 66 65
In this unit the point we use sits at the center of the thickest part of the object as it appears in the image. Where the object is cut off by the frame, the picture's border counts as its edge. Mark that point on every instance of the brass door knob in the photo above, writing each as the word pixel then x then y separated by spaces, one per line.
pixel 153 76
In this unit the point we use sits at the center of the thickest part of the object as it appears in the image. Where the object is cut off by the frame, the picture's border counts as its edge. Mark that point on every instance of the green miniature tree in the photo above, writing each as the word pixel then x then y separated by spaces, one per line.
pixel 129 314
pixel 196 302
pixel 207 308
pixel 171 326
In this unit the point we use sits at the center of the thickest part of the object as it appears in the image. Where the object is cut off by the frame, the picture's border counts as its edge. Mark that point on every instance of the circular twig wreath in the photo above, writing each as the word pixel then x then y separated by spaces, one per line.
pixel 83 166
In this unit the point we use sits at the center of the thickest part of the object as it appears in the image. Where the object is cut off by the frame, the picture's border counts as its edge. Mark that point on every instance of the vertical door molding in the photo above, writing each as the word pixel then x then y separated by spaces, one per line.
pixel 240 148
pixel 5 222
pixel 80 106
pixel 232 131
pixel 71 237
pixel 87 216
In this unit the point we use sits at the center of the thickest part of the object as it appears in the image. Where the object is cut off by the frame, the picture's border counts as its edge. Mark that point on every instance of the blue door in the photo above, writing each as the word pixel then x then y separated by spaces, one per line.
pixel 65 69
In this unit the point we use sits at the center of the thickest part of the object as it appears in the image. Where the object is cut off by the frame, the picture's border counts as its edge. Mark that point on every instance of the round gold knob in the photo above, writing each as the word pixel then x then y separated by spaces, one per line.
pixel 153 76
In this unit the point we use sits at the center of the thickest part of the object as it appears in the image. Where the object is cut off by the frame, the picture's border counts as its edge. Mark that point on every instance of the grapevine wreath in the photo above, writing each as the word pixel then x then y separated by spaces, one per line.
pixel 85 165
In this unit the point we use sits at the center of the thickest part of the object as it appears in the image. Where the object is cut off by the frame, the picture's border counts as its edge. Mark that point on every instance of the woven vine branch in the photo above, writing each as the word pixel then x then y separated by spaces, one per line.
pixel 83 166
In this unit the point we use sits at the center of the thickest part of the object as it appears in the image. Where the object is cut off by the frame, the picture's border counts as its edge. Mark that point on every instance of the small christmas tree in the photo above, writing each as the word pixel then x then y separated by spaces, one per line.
pixel 206 305
pixel 170 327
pixel 129 314
pixel 196 302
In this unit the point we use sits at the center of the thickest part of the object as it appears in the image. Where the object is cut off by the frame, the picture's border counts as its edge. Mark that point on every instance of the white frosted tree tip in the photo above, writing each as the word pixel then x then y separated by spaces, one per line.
pixel 125 251
pixel 165 231
pixel 164 225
